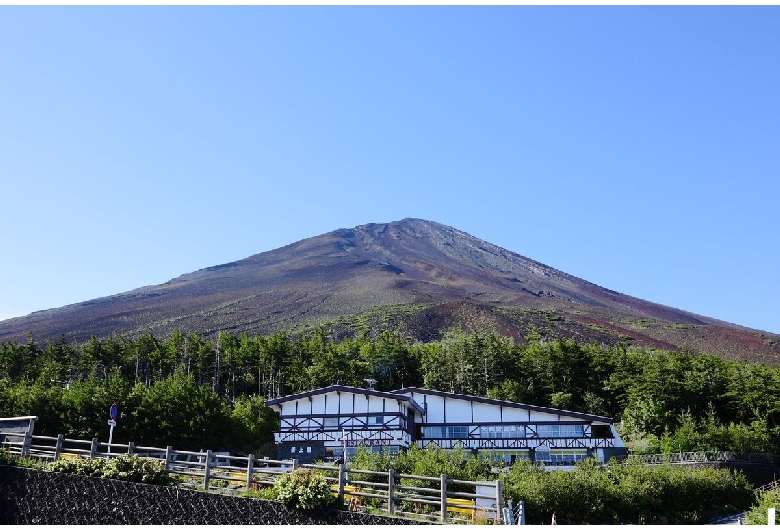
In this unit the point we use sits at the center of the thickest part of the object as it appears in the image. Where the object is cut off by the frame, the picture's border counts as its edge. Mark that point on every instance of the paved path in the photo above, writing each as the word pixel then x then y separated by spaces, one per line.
pixel 738 518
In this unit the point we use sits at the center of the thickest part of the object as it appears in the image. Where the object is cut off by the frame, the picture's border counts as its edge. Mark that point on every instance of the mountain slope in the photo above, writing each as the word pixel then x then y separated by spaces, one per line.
pixel 418 276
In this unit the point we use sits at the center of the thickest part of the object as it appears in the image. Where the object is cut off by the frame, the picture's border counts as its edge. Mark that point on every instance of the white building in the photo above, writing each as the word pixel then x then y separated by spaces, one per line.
pixel 320 424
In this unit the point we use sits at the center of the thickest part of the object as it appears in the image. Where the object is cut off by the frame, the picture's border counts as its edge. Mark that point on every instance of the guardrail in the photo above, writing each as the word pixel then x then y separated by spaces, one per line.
pixel 411 496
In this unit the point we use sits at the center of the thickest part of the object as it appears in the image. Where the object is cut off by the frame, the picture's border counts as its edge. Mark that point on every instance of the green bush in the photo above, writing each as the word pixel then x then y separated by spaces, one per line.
pixel 758 513
pixel 129 468
pixel 305 490
pixel 268 494
pixel 634 493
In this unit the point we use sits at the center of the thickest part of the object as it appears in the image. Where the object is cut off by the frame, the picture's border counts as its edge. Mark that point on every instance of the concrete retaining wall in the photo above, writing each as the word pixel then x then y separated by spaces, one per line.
pixel 38 497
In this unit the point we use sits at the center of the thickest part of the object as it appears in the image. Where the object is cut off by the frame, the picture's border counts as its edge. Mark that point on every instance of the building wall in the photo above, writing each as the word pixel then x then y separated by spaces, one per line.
pixel 511 431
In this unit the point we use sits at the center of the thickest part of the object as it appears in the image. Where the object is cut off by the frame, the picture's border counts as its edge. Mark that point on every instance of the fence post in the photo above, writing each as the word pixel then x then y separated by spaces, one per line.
pixel 94 448
pixel 342 476
pixel 249 469
pixel 294 464
pixel 168 453
pixel 28 437
pixel 499 495
pixel 27 443
pixel 206 474
pixel 58 447
pixel 391 492
pixel 443 498
pixel 130 448
pixel 770 516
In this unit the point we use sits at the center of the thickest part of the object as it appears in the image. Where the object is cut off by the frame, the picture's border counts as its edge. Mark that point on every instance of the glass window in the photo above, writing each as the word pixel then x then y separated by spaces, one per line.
pixel 457 431
pixel 560 431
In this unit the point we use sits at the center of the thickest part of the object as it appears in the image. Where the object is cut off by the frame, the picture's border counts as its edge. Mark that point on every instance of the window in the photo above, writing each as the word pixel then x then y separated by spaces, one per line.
pixel 492 431
pixel 560 457
pixel 449 431
pixel 331 422
pixel 508 457
pixel 502 431
pixel 559 431
pixel 378 420
pixel 458 431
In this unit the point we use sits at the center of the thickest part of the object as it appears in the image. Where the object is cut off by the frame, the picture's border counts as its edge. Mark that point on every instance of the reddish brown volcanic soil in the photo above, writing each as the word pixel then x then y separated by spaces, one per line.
pixel 416 276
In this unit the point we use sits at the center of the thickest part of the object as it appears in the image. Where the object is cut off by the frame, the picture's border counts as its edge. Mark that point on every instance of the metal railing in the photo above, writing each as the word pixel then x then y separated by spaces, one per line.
pixel 700 456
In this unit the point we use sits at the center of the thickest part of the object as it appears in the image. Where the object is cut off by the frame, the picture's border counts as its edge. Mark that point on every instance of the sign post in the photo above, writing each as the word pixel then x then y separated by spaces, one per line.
pixel 112 412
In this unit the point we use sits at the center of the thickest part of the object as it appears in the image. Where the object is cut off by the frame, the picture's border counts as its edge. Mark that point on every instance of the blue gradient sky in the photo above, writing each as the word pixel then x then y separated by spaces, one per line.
pixel 634 147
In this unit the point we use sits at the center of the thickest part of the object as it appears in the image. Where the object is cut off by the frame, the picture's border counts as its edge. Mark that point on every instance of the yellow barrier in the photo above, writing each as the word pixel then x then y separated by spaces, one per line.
pixel 466 506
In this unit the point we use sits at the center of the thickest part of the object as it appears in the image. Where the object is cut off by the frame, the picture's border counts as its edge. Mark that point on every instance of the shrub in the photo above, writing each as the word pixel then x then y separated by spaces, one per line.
pixel 758 513
pixel 129 468
pixel 305 490
pixel 135 469
pixel 5 457
pixel 630 493
pixel 268 494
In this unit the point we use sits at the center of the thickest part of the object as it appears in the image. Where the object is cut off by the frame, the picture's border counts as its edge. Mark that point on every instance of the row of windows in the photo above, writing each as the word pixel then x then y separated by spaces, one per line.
pixel 548 456
pixel 560 456
pixel 504 431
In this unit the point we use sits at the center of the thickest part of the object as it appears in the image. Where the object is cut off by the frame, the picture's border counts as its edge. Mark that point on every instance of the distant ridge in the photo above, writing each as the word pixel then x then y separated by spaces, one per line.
pixel 418 277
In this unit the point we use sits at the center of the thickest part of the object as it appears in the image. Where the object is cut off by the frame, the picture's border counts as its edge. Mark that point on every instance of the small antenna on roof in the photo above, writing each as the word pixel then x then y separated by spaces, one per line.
pixel 370 383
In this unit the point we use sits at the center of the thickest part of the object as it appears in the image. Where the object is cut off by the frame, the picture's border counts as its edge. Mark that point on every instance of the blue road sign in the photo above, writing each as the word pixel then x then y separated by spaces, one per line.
pixel 112 412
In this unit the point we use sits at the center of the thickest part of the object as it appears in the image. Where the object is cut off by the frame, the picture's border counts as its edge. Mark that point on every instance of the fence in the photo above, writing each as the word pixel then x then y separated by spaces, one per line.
pixel 437 498
pixel 434 498
pixel 701 456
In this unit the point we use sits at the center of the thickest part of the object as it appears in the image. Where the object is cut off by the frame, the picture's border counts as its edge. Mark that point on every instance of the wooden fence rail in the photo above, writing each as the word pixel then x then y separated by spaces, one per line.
pixel 434 498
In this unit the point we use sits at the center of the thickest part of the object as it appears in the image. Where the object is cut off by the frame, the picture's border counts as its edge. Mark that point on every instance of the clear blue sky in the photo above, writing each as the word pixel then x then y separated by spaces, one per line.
pixel 634 147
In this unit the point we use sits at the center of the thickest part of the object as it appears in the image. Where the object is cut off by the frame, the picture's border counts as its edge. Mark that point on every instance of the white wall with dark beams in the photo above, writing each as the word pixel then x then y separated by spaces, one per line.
pixel 322 423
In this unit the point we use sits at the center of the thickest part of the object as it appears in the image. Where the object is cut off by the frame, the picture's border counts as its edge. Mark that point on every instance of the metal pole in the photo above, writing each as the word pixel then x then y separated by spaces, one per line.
pixel 344 443
pixel 499 495
pixel 110 439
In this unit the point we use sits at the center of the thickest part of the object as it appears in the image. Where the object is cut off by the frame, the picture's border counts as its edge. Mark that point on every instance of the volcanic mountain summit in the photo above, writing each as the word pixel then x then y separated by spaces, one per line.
pixel 418 277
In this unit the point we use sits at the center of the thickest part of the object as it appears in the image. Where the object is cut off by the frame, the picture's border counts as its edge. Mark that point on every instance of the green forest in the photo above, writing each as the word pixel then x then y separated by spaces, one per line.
pixel 193 393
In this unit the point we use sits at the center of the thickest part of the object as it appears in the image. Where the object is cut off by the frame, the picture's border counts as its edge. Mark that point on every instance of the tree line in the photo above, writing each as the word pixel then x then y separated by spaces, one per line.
pixel 190 392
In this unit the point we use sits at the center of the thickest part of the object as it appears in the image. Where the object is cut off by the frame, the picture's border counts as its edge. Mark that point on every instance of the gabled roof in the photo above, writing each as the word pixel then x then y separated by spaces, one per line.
pixel 350 389
pixel 500 402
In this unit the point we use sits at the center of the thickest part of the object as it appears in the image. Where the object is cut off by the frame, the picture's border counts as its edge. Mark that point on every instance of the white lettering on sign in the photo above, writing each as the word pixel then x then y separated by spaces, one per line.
pixel 367 442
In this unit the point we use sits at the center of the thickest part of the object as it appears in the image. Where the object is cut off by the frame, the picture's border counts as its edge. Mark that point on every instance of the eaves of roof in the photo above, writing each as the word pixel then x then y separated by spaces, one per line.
pixel 350 389
pixel 500 402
